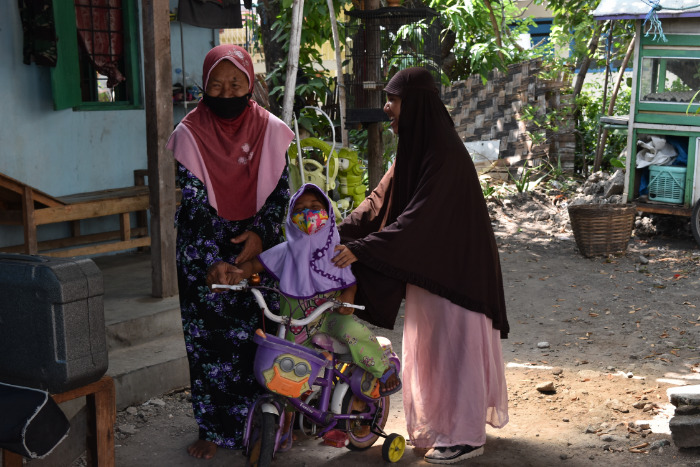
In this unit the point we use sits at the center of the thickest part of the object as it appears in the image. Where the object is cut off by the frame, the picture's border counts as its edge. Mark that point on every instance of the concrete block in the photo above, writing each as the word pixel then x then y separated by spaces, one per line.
pixel 685 431
pixel 684 395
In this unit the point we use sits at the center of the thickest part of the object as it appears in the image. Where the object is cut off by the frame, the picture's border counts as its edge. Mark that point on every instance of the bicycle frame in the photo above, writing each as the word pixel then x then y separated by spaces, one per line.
pixel 333 383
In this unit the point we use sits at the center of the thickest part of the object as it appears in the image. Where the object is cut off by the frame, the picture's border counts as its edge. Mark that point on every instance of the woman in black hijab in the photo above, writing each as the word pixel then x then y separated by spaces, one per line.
pixel 424 234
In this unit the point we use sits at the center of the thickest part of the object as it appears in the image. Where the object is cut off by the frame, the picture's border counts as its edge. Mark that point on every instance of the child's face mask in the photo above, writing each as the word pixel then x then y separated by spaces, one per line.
pixel 310 221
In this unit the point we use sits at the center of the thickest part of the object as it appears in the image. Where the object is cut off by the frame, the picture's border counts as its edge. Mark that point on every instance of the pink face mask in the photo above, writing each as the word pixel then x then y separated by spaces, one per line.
pixel 310 221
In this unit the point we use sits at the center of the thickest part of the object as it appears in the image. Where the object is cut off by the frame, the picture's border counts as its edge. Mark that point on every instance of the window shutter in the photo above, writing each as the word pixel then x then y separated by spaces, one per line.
pixel 65 76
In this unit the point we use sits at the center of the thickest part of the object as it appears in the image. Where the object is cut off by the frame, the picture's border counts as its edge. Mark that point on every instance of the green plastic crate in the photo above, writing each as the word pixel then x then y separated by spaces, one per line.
pixel 666 184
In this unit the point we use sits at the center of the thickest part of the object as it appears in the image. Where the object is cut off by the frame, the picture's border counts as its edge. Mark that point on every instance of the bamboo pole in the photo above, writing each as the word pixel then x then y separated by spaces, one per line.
pixel 611 106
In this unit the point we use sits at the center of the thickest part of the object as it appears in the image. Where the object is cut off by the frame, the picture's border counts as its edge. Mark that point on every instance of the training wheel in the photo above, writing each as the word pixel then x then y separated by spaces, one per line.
pixel 393 448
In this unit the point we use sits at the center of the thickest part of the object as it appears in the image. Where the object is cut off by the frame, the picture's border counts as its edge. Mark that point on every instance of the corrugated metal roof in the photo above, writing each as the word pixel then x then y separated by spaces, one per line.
pixel 638 9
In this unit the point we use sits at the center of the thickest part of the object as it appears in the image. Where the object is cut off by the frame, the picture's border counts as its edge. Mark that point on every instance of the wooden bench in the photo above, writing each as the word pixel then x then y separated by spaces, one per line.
pixel 23 205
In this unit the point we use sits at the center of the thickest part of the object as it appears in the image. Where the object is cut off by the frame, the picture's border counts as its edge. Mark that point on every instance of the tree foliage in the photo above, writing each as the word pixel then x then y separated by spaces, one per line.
pixel 580 38
pixel 485 34
pixel 313 77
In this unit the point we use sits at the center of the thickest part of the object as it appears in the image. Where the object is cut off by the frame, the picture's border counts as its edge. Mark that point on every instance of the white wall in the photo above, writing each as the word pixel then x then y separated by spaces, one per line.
pixel 65 152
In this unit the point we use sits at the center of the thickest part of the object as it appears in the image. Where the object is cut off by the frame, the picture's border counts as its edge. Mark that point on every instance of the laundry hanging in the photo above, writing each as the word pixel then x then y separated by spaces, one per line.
pixel 39 30
pixel 214 14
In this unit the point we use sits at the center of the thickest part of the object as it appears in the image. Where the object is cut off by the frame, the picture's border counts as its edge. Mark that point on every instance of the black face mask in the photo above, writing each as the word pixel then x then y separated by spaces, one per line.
pixel 226 107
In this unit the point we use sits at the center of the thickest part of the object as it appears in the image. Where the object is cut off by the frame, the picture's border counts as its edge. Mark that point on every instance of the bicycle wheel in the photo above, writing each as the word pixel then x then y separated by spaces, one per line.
pixel 393 448
pixel 361 437
pixel 695 222
pixel 265 428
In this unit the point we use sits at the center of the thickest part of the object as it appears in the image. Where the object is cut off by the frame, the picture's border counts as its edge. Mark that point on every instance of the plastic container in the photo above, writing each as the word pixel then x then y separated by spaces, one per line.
pixel 667 183
pixel 52 328
pixel 284 367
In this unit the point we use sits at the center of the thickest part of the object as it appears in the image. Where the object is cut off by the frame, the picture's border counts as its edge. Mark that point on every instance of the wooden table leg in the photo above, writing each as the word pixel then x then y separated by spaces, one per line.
pixel 100 399
pixel 103 403
pixel 11 459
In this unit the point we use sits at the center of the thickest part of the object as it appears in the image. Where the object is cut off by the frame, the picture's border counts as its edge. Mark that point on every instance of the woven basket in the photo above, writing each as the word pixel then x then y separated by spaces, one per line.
pixel 602 229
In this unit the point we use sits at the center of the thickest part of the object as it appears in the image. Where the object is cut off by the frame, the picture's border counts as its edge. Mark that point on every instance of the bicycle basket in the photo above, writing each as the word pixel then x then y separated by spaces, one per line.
pixel 284 367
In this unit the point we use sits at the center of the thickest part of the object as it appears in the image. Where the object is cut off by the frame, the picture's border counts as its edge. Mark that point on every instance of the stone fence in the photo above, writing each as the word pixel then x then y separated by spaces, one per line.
pixel 492 112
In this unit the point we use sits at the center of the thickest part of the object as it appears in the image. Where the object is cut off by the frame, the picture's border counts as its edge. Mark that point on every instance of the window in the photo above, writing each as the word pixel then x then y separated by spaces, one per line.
pixel 98 66
pixel 669 79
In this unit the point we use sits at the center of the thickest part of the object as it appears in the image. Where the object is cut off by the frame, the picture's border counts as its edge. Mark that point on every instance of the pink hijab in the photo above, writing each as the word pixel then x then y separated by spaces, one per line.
pixel 239 160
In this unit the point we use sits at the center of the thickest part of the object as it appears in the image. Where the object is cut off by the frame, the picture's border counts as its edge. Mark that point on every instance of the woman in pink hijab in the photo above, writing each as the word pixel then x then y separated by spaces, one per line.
pixel 231 167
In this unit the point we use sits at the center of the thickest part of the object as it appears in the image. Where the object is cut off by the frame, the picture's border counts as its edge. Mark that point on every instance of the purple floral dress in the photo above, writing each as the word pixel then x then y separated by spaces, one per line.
pixel 219 328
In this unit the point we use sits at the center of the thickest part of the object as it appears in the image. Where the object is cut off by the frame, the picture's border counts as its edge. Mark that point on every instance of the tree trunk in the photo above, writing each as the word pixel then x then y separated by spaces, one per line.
pixel 375 151
pixel 586 62
pixel 268 11
pixel 581 77
pixel 494 23
pixel 292 61
pixel 496 29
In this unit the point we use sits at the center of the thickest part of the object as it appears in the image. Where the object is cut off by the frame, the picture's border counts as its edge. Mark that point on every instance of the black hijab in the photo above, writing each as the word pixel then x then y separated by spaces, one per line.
pixel 426 223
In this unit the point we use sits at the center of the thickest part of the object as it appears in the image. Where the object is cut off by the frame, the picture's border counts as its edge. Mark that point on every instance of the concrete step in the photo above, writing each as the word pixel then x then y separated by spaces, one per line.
pixel 142 328
pixel 146 370
pixel 145 343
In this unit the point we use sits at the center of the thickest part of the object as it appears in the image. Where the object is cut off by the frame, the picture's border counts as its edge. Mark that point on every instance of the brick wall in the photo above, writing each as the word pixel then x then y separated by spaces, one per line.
pixel 491 111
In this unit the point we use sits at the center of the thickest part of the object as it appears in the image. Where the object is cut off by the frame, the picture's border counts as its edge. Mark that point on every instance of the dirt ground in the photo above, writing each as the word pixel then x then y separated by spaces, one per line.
pixel 608 336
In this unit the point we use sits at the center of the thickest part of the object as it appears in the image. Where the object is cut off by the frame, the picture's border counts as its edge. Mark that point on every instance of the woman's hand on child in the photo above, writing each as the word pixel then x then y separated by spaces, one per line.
pixel 345 310
pixel 252 246
pixel 344 258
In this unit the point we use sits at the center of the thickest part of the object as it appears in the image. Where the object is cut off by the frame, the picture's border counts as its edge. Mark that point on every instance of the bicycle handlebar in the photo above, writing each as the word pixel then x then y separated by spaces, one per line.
pixel 243 285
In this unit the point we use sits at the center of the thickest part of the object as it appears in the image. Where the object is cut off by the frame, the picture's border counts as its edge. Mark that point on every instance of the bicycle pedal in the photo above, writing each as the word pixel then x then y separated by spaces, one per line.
pixel 336 438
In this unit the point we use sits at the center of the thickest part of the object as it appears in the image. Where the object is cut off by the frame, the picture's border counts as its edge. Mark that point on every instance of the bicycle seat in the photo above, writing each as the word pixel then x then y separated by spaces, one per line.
pixel 329 343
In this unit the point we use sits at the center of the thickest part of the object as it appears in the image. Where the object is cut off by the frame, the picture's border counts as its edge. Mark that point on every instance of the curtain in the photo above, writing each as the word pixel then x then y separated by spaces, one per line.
pixel 101 34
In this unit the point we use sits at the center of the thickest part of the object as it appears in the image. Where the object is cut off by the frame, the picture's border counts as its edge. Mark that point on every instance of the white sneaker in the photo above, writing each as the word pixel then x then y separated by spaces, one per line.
pixel 452 454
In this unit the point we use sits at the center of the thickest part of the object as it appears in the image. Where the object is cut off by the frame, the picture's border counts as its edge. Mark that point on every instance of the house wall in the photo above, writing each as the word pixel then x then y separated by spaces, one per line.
pixel 66 151
pixel 492 112
pixel 188 46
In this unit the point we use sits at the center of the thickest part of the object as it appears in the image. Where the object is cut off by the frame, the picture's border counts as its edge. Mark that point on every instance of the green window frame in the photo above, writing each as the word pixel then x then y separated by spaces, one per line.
pixel 66 76
pixel 677 47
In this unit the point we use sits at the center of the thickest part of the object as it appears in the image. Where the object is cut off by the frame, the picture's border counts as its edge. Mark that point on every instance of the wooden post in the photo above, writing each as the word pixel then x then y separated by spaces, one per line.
pixel 30 237
pixel 341 79
pixel 159 124
pixel 375 146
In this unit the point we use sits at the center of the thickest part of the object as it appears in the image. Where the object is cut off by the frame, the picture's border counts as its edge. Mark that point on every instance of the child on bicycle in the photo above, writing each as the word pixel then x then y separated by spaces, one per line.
pixel 307 278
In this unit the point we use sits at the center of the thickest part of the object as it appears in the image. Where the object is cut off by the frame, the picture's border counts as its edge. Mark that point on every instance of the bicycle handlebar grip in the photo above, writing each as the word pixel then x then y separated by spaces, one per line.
pixel 242 285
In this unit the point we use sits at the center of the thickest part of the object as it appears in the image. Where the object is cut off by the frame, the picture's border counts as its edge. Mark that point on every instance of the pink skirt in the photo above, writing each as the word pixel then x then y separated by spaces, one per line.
pixel 452 371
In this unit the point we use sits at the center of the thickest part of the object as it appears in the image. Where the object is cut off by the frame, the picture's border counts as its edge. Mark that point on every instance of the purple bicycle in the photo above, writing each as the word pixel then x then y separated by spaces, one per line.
pixel 332 397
